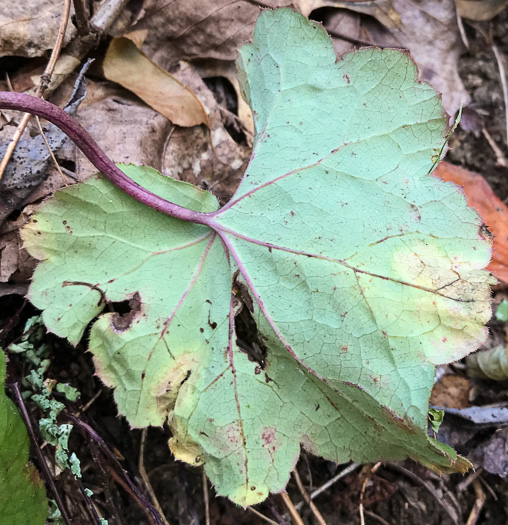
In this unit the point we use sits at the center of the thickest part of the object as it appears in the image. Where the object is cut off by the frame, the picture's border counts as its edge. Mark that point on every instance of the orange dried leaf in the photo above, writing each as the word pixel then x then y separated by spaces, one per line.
pixel 492 210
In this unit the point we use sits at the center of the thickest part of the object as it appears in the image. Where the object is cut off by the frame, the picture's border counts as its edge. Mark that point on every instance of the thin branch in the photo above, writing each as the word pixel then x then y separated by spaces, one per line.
pixel 329 483
pixel 206 498
pixel 262 516
pixel 146 479
pixel 364 487
pixel 478 504
pixel 500 158
pixel 81 18
pixel 107 452
pixel 423 483
pixel 40 457
pixel 43 84
pixel 308 501
pixel 83 140
pixel 297 519
pixel 504 86
pixel 50 151
pixel 376 517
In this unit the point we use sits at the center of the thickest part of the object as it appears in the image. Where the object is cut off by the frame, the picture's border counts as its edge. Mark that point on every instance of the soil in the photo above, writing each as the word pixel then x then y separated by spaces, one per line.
pixel 401 494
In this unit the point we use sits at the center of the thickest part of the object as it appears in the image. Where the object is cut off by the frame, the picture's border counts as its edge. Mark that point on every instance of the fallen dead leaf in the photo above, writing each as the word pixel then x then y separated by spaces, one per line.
pixel 189 155
pixel 128 66
pixel 492 210
pixel 16 265
pixel 451 391
pixel 480 10
pixel 124 127
pixel 30 30
pixel 493 454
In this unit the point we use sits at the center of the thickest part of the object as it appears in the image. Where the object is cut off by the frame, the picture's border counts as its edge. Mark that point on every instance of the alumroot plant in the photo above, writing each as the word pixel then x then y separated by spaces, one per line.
pixel 352 270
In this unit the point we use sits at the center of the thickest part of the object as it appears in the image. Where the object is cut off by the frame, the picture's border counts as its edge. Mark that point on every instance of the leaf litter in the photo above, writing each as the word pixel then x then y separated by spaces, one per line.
pixel 402 509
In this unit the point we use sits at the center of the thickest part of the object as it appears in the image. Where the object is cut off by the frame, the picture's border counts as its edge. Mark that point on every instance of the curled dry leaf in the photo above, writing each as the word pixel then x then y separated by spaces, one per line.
pixel 492 210
pixel 128 66
pixel 490 364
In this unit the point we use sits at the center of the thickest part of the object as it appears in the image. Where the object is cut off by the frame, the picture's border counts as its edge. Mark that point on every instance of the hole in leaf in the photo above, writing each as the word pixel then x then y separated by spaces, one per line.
pixel 248 338
pixel 125 312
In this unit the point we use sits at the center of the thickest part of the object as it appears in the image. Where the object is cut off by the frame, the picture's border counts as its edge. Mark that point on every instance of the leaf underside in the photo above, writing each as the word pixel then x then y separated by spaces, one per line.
pixel 360 270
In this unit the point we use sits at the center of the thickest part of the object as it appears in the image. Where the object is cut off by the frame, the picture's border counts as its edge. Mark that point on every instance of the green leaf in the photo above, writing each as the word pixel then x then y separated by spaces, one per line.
pixel 22 494
pixel 353 272
pixel 436 418
pixel 502 311
pixel 69 391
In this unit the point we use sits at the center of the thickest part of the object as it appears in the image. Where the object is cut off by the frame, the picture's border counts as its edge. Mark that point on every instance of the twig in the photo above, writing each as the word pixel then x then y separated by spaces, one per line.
pixel 423 483
pixel 483 481
pixel 308 501
pixel 206 497
pixel 106 15
pixel 42 462
pixel 146 479
pixel 329 483
pixel 136 497
pixel 463 485
pixel 297 519
pixel 43 83
pixel 504 86
pixel 107 452
pixel 478 504
pixel 51 154
pixel 81 18
pixel 501 160
pixel 364 488
pixel 262 516
pixel 462 31
pixel 376 517
pixel 91 506
pixel 91 401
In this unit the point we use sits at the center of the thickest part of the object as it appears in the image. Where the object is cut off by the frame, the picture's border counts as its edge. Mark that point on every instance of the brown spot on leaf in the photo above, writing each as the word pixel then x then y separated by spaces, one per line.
pixel 121 322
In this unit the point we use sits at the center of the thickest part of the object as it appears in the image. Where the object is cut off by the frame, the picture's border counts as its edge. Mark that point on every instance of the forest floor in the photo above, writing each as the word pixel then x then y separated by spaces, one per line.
pixel 197 42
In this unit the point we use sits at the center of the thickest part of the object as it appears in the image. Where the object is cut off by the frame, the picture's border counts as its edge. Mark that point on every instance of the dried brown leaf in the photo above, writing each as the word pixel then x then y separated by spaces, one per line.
pixel 480 10
pixel 129 67
pixel 30 30
pixel 491 209
pixel 127 130
pixel 189 155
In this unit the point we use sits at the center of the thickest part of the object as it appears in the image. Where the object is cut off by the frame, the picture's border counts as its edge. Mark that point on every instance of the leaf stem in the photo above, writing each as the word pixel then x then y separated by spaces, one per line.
pixel 83 140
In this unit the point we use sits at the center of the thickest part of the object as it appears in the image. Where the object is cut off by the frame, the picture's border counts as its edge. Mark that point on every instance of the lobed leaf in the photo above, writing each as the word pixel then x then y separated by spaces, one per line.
pixel 360 270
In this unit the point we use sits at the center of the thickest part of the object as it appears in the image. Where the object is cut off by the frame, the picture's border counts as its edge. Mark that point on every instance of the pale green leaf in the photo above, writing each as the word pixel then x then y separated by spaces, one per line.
pixel 361 271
